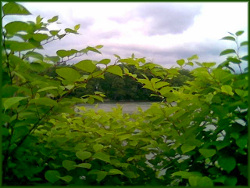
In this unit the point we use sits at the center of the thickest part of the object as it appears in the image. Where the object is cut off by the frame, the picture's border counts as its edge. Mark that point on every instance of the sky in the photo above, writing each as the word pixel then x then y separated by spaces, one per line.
pixel 163 32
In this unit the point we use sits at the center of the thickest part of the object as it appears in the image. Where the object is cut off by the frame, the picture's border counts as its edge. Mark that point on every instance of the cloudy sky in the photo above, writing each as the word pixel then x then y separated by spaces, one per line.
pixel 163 32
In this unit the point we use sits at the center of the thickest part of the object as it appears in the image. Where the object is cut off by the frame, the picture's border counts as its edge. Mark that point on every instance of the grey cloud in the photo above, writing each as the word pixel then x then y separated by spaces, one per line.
pixel 108 34
pixel 168 18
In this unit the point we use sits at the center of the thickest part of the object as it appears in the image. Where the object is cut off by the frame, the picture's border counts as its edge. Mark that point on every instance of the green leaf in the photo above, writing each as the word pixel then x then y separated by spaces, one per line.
pixel 115 171
pixel 12 101
pixel 227 163
pixel 77 27
pixel 186 175
pixel 208 64
pixel 38 19
pixel 47 88
pixel 104 61
pixel 52 176
pixel 54 19
pixel 43 101
pixel 200 181
pixel 245 58
pixel 98 46
pixel 102 156
pixel 238 33
pixel 227 51
pixel 186 148
pixel 114 69
pixel 227 89
pixel 231 181
pixel 93 50
pixel 54 32
pixel 98 147
pixel 193 57
pixel 68 74
pixel 19 46
pixel 69 165
pixel 245 43
pixel 84 165
pixel 40 37
pixel 100 174
pixel 34 55
pixel 86 65
pixel 16 26
pixel 12 8
pixel 207 152
pixel 228 38
pixel 83 155
pixel 19 132
pixel 180 62
pixel 242 141
pixel 68 30
pixel 234 60
pixel 67 178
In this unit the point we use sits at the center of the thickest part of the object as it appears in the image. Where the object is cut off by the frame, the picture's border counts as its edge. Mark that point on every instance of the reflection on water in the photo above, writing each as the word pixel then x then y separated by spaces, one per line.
pixel 127 107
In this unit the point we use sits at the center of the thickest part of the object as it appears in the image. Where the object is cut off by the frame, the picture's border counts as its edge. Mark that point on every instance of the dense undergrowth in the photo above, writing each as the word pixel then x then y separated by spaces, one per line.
pixel 47 140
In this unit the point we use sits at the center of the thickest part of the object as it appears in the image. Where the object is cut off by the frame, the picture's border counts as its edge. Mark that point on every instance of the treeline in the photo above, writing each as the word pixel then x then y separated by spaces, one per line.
pixel 124 88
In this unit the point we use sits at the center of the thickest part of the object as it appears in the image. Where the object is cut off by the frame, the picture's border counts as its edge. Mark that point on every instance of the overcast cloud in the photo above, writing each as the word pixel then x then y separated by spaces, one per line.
pixel 162 32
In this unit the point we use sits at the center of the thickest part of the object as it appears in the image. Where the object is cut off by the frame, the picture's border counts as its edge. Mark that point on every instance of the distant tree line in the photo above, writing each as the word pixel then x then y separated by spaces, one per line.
pixel 124 88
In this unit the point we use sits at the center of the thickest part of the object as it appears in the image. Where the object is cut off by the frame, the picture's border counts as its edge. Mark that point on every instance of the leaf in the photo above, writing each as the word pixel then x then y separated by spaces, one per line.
pixel 38 19
pixel 68 30
pixel 77 27
pixel 161 84
pixel 186 148
pixel 68 74
pixel 84 165
pixel 227 163
pixel 104 61
pixel 12 8
pixel 227 89
pixel 115 171
pixel 180 62
pixel 12 101
pixel 245 58
pixel 54 19
pixel 47 88
pixel 86 65
pixel 93 50
pixel 19 46
pixel 227 51
pixel 19 132
pixel 67 178
pixel 208 64
pixel 117 56
pixel 69 165
pixel 200 181
pixel 97 147
pixel 234 60
pixel 207 152
pixel 244 43
pixel 54 59
pixel 52 176
pixel 114 69
pixel 16 26
pixel 40 37
pixel 83 155
pixel 238 33
pixel 231 181
pixel 43 101
pixel 100 174
pixel 98 46
pixel 242 141
pixel 193 57
pixel 34 55
pixel 102 156
pixel 186 175
pixel 54 32
pixel 228 38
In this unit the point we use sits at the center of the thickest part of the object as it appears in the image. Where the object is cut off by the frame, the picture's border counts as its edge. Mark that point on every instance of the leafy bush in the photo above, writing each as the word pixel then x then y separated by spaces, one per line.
pixel 197 135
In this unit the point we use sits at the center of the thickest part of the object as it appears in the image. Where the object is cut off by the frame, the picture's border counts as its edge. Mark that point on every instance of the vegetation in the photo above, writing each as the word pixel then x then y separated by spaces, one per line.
pixel 202 140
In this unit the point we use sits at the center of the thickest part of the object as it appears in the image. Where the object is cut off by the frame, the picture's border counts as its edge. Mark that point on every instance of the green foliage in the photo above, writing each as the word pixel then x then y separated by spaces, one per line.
pixel 197 135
